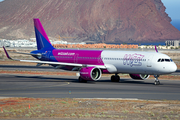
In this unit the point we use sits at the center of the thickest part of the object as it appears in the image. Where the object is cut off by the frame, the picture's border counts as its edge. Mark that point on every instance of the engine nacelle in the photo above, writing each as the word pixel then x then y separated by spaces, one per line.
pixel 90 73
pixel 139 76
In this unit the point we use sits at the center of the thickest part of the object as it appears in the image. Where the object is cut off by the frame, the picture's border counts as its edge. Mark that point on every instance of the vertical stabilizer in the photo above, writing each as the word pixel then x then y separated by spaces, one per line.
pixel 156 49
pixel 41 36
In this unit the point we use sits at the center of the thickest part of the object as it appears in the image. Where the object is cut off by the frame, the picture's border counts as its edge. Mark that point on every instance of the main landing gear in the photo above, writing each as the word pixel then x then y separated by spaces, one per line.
pixel 115 78
pixel 82 80
pixel 156 82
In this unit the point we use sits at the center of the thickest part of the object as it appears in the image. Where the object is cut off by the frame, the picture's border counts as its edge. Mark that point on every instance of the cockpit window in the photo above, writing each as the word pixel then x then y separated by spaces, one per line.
pixel 159 60
pixel 164 60
pixel 167 60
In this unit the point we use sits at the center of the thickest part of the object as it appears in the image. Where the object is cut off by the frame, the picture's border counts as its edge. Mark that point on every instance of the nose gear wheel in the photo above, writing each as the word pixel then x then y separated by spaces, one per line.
pixel 156 82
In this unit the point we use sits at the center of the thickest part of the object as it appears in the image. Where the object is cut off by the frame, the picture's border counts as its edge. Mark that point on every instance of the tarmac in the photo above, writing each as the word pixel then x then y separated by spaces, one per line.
pixel 47 86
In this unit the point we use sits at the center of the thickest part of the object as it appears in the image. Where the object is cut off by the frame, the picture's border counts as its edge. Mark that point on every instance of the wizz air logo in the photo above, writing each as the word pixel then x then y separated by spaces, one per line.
pixel 133 59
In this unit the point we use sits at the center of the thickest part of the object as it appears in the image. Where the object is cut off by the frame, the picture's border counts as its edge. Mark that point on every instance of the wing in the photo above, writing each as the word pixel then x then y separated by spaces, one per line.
pixel 26 53
pixel 53 63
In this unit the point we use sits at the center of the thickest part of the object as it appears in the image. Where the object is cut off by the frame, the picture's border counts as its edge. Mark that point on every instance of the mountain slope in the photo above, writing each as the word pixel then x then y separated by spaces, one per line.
pixel 111 21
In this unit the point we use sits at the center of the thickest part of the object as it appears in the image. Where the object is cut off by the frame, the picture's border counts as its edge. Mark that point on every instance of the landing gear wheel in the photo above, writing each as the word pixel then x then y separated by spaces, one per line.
pixel 115 78
pixel 156 82
pixel 82 80
pixel 112 78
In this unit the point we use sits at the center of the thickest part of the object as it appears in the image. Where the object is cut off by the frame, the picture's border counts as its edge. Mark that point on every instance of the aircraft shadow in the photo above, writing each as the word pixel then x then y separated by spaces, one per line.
pixel 124 81
pixel 73 80
pixel 41 79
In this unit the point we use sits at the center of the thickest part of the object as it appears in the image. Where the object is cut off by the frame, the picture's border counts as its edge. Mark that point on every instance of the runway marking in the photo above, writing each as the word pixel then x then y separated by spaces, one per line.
pixel 67 83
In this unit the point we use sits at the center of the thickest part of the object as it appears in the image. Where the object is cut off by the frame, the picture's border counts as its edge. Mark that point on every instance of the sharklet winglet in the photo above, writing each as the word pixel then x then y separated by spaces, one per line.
pixel 8 54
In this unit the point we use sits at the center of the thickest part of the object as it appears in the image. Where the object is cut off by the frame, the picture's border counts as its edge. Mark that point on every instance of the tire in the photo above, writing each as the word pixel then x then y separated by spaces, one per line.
pixel 156 83
pixel 82 80
pixel 115 78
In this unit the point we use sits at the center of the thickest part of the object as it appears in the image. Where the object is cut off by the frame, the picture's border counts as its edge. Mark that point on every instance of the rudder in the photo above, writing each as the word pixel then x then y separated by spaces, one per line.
pixel 41 36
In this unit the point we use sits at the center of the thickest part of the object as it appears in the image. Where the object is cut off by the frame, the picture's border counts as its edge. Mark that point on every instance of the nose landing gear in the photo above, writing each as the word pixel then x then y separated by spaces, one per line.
pixel 156 82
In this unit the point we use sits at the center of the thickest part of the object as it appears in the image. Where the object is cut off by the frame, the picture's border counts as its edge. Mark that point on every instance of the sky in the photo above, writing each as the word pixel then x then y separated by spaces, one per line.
pixel 172 8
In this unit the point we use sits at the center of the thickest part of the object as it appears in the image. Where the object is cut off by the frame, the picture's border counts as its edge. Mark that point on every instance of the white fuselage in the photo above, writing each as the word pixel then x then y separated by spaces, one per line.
pixel 138 62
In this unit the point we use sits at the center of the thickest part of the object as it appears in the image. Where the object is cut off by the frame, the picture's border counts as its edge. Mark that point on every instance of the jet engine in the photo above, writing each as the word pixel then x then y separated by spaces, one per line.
pixel 90 73
pixel 139 76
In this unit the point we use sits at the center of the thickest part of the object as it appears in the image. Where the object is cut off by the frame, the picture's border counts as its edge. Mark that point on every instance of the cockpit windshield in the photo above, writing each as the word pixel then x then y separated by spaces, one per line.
pixel 164 60
pixel 167 60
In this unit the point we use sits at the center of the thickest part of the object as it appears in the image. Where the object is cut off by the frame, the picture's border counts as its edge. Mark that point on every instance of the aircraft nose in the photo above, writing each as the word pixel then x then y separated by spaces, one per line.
pixel 173 68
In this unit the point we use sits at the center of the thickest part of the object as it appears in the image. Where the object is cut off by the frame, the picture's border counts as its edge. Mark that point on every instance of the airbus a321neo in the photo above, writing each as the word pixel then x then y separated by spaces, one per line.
pixel 93 63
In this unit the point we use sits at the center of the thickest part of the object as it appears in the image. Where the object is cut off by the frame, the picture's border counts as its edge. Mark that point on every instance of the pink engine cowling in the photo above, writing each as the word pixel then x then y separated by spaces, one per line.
pixel 90 73
pixel 139 76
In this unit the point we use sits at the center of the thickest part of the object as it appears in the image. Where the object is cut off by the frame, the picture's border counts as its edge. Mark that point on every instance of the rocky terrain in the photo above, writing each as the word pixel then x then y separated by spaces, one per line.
pixel 109 21
pixel 88 109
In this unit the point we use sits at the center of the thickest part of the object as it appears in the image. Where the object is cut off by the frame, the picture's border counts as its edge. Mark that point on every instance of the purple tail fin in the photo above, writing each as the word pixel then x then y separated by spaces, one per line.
pixel 41 36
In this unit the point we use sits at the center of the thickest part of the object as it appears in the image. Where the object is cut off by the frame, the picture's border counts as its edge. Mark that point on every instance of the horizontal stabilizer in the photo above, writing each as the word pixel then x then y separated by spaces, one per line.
pixel 39 64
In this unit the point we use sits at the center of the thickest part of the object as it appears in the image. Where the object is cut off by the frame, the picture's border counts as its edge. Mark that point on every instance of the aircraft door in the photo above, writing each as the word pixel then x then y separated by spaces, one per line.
pixel 100 59
pixel 76 58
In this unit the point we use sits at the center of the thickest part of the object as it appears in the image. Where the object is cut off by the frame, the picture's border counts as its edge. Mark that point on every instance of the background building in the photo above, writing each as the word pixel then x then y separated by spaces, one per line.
pixel 175 43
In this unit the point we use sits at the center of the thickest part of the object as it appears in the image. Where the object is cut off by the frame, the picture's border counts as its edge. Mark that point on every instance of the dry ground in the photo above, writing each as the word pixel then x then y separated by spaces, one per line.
pixel 89 108
pixel 38 108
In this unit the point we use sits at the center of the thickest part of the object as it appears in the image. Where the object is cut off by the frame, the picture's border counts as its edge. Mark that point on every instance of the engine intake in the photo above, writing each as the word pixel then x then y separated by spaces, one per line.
pixel 90 73
pixel 139 76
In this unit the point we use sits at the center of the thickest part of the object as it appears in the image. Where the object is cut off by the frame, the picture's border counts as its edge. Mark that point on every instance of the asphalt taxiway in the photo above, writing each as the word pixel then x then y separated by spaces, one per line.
pixel 39 86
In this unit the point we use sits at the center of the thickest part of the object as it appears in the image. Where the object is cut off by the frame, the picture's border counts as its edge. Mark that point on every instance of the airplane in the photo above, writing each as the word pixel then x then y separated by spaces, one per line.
pixel 91 64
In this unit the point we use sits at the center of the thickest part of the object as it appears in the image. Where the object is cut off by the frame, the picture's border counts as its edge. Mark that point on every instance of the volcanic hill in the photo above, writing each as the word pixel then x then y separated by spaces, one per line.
pixel 109 21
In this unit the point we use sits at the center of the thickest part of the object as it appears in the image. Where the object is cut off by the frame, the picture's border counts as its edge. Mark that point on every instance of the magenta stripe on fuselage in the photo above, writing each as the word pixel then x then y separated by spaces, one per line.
pixel 40 28
pixel 78 56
